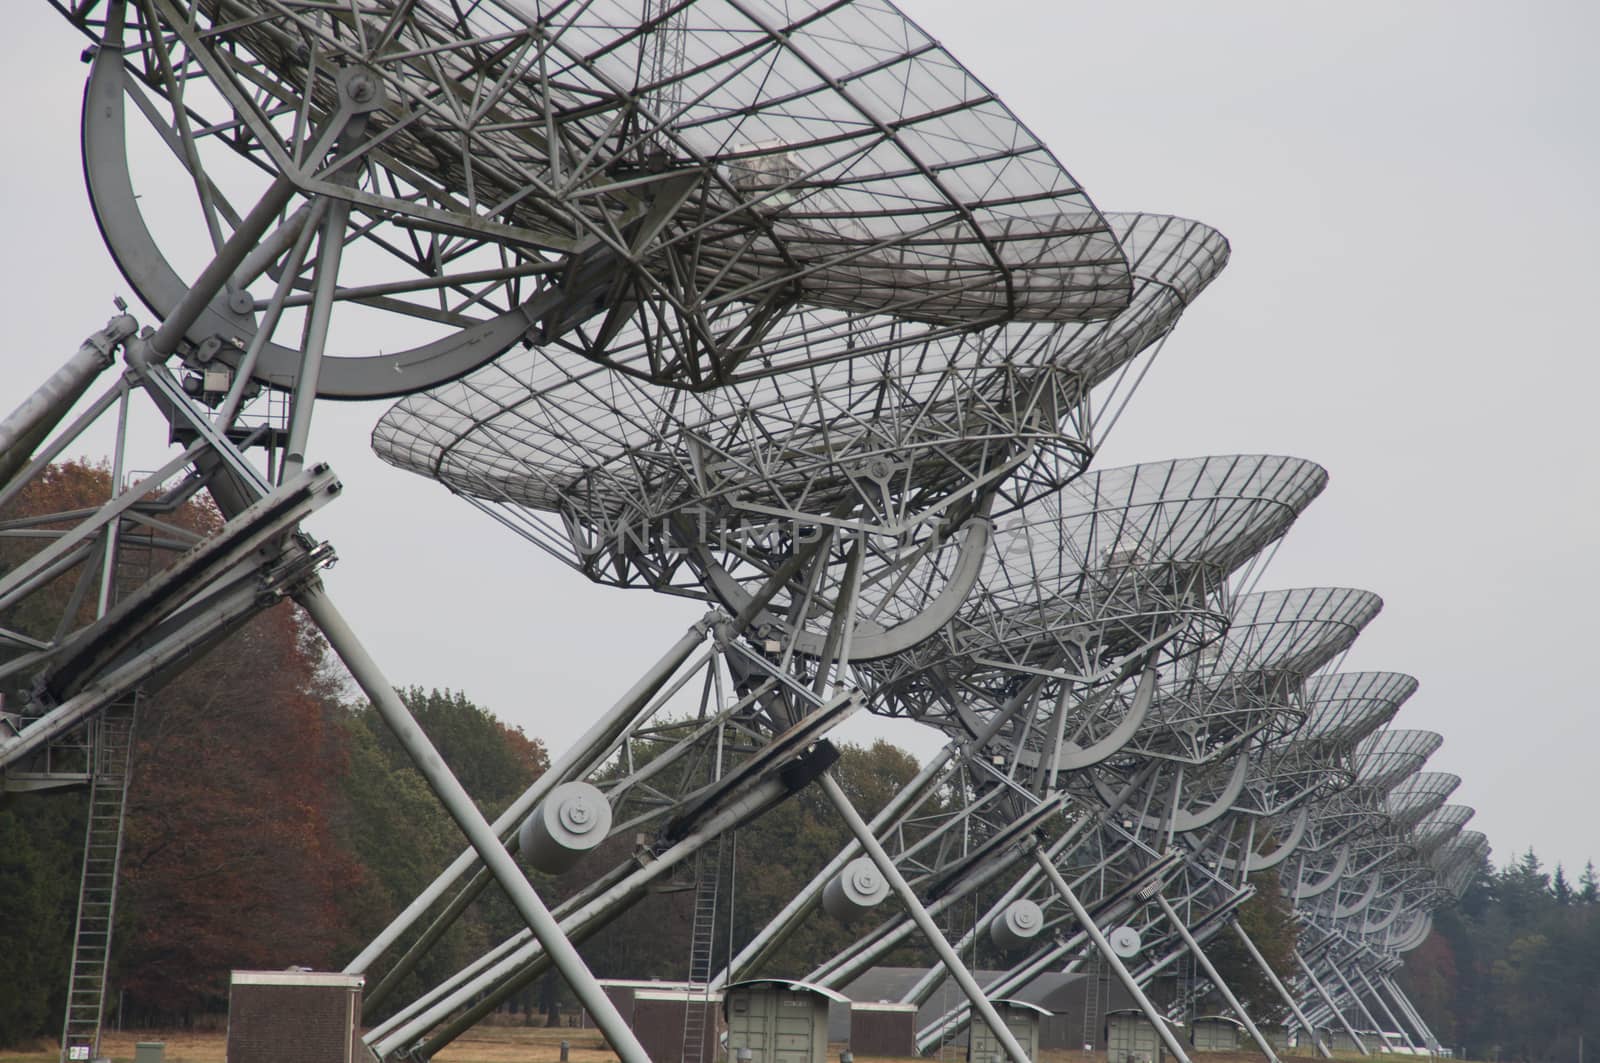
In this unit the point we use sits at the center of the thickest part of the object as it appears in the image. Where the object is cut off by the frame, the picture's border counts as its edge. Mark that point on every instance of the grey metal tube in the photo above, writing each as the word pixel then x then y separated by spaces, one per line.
pixel 954 1019
pixel 760 948
pixel 923 990
pixel 269 250
pixel 219 611
pixel 1398 1026
pixel 41 458
pixel 330 250
pixel 1354 996
pixel 483 837
pixel 108 566
pixel 1115 961
pixel 1216 979
pixel 1333 1007
pixel 807 900
pixel 488 989
pixel 269 319
pixel 214 277
pixel 1020 974
pixel 841 973
pixel 479 964
pixel 1411 1012
pixel 419 948
pixel 34 418
pixel 594 742
pixel 20 580
pixel 958 970
pixel 1283 991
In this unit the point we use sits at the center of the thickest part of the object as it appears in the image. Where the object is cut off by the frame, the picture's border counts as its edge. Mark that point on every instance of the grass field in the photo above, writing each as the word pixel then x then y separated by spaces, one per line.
pixel 508 1044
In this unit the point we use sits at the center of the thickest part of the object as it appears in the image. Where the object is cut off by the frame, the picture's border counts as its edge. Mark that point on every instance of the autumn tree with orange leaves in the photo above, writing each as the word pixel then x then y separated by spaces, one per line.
pixel 261 825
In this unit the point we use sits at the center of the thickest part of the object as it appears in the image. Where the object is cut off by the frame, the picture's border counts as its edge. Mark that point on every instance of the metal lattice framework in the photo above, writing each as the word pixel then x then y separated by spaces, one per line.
pixel 692 171
pixel 1419 796
pixel 890 449
pixel 1116 565
pixel 771 305
pixel 1317 758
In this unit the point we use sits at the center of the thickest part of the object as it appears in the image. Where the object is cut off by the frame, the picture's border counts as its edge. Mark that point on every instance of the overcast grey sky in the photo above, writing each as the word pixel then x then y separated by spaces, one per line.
pixel 1409 190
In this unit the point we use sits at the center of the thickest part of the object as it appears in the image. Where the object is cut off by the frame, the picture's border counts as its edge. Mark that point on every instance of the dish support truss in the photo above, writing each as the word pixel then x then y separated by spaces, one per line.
pixel 351 153
pixel 756 736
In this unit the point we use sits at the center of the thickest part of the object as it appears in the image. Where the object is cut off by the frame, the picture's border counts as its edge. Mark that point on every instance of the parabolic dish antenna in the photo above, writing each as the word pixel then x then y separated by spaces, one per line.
pixel 1120 562
pixel 1342 709
pixel 514 170
pixel 892 437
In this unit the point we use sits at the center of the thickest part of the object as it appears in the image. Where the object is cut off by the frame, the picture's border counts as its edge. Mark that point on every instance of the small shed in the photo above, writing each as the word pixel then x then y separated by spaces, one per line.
pixel 1340 1041
pixel 779 1021
pixel 658 1012
pixel 1279 1035
pixel 883 1029
pixel 1216 1033
pixel 661 1016
pixel 294 1015
pixel 1132 1038
pixel 1021 1018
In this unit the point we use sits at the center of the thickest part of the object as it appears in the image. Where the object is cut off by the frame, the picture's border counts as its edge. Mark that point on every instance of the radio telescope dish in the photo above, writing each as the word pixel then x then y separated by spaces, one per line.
pixel 1120 562
pixel 894 435
pixel 515 170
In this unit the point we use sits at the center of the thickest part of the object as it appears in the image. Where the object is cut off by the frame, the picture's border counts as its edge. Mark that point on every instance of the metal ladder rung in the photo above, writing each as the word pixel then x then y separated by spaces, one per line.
pixel 112 743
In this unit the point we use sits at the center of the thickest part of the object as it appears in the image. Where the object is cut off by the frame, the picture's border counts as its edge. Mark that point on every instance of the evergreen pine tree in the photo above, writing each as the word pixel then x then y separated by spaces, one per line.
pixel 1561 887
pixel 1589 885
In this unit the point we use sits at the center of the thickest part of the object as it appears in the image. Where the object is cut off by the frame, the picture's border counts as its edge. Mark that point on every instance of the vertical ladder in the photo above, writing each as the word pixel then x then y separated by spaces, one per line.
pixel 97 891
pixel 1091 1001
pixel 110 749
pixel 702 938
pixel 1183 990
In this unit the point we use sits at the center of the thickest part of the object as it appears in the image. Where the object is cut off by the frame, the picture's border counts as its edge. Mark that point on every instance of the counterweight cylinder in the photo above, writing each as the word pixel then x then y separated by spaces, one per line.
pixel 566 825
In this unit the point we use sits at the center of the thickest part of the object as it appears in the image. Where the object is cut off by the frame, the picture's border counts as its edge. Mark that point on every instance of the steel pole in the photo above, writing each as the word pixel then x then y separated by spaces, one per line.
pixel 483 994
pixel 1216 979
pixel 330 251
pixel 958 970
pixel 34 418
pixel 923 990
pixel 1283 991
pixel 840 974
pixel 761 947
pixel 1417 1025
pixel 42 457
pixel 459 804
pixel 1327 998
pixel 1411 1012
pixel 1117 966
pixel 1390 1015
pixel 594 742
pixel 1333 966
pixel 777 931
pixel 214 277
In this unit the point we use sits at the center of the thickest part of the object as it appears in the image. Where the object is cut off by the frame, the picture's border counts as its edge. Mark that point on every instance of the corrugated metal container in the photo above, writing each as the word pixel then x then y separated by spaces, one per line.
pixel 658 1021
pixel 293 1017
pixel 1340 1041
pixel 778 1021
pixel 1021 1018
pixel 1130 1038
pixel 1215 1033
pixel 883 1029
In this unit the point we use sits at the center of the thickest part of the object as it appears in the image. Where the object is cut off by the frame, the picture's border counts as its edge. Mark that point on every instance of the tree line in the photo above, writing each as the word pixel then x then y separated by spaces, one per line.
pixel 1512 972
